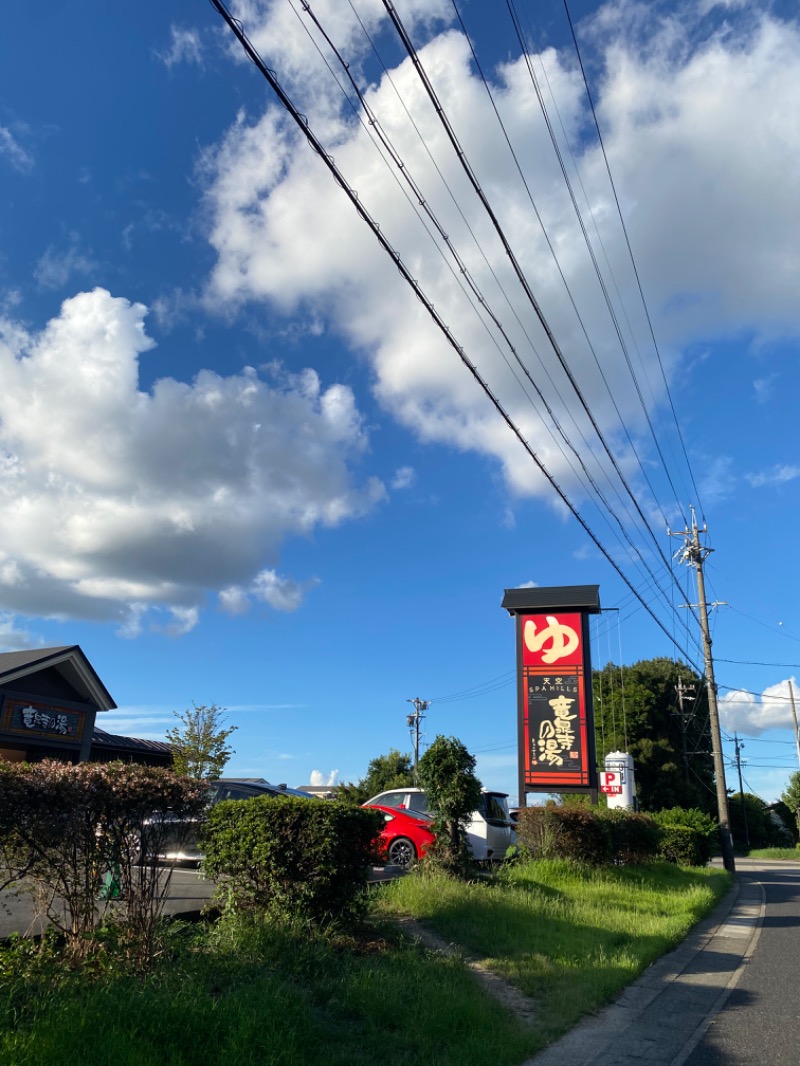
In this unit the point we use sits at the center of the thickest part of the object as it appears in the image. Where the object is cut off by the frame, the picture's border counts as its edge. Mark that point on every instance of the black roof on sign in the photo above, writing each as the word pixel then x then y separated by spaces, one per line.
pixel 554 598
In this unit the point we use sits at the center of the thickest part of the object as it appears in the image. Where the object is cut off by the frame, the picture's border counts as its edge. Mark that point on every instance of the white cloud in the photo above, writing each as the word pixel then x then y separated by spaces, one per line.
pixel 280 593
pixel 319 778
pixel 184 47
pixel 779 475
pixel 12 150
pixel 14 639
pixel 124 500
pixel 55 268
pixel 404 478
pixel 743 712
pixel 704 149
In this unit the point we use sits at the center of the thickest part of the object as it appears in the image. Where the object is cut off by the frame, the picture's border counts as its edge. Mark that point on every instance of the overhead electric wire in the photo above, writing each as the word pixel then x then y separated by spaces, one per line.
pixel 601 280
pixel 472 178
pixel 405 173
pixel 302 123
pixel 632 257
pixel 466 166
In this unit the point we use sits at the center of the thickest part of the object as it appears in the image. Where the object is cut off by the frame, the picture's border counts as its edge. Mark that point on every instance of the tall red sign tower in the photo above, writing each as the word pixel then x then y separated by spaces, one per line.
pixel 554 688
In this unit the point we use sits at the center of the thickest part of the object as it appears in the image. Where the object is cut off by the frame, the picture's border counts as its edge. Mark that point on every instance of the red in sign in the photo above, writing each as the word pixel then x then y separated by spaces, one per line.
pixel 611 783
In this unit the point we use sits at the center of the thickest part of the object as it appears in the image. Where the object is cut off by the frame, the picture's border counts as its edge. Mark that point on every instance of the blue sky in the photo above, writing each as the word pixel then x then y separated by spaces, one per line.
pixel 243 467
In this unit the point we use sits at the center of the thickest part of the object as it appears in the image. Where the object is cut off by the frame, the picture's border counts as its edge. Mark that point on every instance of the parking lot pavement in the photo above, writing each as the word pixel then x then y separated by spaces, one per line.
pixel 189 892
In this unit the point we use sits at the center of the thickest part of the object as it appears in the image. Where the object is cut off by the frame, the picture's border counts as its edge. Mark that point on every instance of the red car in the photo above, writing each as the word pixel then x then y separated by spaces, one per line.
pixel 406 836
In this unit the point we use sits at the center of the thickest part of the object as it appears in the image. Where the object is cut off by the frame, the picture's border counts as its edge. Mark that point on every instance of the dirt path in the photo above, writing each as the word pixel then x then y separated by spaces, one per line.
pixel 520 1005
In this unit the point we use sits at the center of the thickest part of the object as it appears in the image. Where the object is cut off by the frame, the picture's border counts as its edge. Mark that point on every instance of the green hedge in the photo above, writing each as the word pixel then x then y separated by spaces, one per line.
pixel 703 842
pixel 291 857
pixel 634 837
pixel 574 833
pixel 683 846
pixel 597 836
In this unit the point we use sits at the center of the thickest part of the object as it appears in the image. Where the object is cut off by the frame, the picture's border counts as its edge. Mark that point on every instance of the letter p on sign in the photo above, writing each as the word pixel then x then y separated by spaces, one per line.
pixel 611 783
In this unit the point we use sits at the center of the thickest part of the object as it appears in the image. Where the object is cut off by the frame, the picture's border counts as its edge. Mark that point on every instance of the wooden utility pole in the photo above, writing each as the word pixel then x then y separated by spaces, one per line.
pixel 695 554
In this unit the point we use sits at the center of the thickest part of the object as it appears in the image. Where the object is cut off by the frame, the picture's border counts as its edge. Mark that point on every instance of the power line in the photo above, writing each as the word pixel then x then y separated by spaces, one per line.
pixel 302 123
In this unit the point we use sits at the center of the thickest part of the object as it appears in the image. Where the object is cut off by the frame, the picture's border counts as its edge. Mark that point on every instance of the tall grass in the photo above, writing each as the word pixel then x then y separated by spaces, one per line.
pixel 250 993
pixel 570 938
pixel 774 853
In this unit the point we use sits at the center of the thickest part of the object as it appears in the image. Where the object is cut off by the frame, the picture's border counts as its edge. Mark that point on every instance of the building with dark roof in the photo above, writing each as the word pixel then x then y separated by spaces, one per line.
pixel 49 701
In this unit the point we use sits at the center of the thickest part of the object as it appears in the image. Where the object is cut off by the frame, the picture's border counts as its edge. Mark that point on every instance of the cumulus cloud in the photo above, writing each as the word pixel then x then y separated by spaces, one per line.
pixel 119 500
pixel 319 778
pixel 705 151
pixel 745 713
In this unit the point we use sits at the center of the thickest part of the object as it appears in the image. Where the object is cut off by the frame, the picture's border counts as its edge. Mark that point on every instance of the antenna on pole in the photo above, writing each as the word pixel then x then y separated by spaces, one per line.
pixel 413 721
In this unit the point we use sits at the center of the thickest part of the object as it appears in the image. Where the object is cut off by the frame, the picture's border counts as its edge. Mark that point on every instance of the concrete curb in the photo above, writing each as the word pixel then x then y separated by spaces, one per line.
pixel 679 994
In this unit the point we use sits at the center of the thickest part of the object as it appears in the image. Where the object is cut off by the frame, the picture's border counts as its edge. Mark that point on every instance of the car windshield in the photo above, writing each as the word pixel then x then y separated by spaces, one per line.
pixel 495 807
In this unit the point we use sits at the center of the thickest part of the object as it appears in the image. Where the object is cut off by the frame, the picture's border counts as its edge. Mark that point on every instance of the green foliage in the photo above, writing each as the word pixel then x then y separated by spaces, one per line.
pixel 640 702
pixel 199 743
pixel 447 774
pixel 385 772
pixel 692 850
pixel 66 827
pixel 791 796
pixel 573 833
pixel 291 858
pixel 634 837
pixel 762 830
pixel 683 846
pixel 782 814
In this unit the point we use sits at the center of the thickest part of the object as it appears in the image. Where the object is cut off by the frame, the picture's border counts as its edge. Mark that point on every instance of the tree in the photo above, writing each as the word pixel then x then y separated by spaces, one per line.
pixel 447 774
pixel 393 770
pixel 791 796
pixel 671 751
pixel 199 744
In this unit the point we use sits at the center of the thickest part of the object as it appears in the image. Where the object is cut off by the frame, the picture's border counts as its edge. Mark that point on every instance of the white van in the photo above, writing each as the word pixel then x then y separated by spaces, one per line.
pixel 490 831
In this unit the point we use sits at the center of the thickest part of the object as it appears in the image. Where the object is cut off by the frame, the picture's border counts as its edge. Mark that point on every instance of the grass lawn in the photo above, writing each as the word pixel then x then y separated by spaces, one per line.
pixel 774 853
pixel 240 993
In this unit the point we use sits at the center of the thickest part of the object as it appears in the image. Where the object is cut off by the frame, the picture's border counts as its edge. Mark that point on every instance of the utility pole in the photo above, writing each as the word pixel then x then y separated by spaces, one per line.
pixel 693 552
pixel 684 692
pixel 739 747
pixel 794 716
pixel 413 721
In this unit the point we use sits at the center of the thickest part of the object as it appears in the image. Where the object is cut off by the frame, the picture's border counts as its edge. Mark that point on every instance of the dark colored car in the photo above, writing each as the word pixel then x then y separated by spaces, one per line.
pixel 406 835
pixel 178 841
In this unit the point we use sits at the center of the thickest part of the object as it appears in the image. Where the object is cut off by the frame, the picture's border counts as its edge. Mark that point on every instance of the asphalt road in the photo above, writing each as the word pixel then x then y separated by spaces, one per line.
pixel 760 1022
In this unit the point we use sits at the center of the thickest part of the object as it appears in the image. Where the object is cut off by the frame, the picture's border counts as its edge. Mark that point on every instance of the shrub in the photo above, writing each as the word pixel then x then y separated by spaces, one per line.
pixel 573 833
pixel 674 847
pixel 683 846
pixel 291 857
pixel 67 828
pixel 447 774
pixel 634 837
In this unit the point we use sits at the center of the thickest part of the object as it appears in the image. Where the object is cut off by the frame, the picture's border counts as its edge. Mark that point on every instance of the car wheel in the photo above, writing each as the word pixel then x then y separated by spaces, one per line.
pixel 401 852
